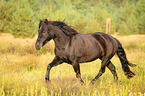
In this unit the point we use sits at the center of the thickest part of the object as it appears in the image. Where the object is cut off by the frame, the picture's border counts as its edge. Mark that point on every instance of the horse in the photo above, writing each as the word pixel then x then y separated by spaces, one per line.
pixel 73 48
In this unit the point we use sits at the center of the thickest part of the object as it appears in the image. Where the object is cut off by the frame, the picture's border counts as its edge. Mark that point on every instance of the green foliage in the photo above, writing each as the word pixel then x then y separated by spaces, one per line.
pixel 42 50
pixel 23 23
pixel 7 9
pixel 21 17
pixel 140 15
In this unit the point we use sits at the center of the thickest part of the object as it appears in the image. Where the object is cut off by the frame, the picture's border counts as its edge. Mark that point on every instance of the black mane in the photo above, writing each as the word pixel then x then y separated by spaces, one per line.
pixel 64 27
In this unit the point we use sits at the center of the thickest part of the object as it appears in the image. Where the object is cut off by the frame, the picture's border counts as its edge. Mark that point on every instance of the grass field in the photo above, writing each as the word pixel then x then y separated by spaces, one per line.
pixel 22 71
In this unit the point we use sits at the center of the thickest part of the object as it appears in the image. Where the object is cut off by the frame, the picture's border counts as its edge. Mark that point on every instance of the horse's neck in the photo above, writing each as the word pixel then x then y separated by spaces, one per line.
pixel 61 40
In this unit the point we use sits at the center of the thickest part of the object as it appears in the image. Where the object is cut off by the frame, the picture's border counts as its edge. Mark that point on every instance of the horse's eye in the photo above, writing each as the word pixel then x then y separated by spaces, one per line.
pixel 44 31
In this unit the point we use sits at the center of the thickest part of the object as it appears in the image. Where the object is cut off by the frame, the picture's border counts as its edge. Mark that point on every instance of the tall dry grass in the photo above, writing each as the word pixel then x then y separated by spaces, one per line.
pixel 23 69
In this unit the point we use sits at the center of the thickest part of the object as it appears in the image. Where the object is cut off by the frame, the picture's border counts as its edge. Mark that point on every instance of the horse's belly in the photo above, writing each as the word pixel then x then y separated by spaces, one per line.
pixel 90 56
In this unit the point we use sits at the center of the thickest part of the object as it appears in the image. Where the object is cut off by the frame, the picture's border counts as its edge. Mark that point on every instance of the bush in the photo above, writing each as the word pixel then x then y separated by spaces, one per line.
pixel 7 9
pixel 140 10
pixel 18 18
pixel 23 22
pixel 21 18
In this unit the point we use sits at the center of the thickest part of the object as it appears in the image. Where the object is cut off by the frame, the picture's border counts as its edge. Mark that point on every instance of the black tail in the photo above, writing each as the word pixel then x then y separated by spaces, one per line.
pixel 122 56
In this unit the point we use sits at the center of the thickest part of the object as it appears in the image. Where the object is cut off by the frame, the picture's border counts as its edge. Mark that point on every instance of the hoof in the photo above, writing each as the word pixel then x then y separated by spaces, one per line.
pixel 116 79
pixel 92 83
pixel 82 83
pixel 47 80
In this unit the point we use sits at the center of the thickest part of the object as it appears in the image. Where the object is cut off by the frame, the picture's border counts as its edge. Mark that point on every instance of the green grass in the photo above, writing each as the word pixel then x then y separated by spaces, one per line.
pixel 22 70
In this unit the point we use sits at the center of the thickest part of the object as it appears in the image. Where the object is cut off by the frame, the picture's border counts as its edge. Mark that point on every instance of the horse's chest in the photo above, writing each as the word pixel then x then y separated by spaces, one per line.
pixel 65 55
pixel 62 53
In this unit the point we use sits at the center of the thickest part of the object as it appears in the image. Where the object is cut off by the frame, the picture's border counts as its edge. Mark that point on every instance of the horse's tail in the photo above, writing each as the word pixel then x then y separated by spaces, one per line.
pixel 122 56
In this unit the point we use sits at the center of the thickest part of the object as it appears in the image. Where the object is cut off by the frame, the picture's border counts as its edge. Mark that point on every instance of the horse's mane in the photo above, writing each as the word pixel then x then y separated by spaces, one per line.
pixel 64 27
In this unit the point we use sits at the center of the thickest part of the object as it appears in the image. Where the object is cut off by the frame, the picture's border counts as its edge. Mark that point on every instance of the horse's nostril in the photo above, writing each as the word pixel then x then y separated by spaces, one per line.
pixel 37 44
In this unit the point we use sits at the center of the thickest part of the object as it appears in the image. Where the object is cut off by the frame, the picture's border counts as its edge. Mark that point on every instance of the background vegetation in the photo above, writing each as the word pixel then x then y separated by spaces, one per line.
pixel 21 17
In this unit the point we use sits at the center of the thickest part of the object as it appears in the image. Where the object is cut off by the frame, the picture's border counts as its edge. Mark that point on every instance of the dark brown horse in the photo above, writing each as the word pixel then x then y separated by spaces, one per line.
pixel 74 48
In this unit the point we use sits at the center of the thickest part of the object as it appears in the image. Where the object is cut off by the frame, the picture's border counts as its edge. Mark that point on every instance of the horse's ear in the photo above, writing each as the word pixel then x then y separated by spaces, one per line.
pixel 40 23
pixel 46 21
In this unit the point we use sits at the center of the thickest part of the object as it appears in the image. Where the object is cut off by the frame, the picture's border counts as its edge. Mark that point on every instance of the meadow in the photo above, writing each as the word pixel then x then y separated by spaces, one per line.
pixel 22 71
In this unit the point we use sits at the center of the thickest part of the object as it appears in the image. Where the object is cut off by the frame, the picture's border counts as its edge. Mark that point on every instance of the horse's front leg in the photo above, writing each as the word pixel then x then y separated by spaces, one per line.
pixel 76 67
pixel 56 61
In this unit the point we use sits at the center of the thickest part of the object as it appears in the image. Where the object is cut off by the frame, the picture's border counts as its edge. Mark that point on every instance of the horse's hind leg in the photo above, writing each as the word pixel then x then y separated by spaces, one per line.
pixel 113 70
pixel 102 70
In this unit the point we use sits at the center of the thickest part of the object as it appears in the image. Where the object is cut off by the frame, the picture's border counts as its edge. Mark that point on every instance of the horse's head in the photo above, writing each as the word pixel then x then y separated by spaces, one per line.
pixel 45 33
pixel 52 29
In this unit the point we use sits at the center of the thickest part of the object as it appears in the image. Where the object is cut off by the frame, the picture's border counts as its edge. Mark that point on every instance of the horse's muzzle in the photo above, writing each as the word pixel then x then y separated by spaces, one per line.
pixel 38 45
